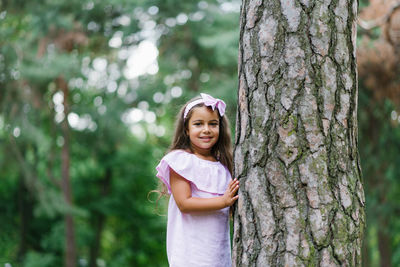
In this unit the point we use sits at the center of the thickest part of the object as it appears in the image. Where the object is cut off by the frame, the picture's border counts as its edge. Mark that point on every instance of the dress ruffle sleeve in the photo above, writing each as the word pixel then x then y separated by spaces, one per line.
pixel 208 176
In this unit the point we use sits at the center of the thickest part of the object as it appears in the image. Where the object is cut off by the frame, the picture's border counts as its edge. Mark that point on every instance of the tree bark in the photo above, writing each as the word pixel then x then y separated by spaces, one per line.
pixel 70 250
pixel 301 198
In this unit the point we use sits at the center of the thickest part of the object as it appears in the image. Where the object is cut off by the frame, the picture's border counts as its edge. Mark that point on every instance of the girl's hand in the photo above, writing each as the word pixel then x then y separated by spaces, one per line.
pixel 229 197
pixel 182 193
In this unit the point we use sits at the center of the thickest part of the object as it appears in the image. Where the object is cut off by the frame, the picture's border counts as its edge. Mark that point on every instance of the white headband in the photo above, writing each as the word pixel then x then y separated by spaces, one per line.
pixel 208 101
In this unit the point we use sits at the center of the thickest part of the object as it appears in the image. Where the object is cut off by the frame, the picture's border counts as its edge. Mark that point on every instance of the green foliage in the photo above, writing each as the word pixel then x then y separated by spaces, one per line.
pixel 119 130
pixel 379 149
pixel 44 70
pixel 34 259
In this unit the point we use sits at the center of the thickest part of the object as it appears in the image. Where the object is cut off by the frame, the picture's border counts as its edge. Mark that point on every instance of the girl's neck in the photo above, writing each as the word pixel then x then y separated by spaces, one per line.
pixel 203 153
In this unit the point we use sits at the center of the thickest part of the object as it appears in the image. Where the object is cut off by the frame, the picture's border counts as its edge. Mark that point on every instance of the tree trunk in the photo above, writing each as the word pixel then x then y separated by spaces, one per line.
pixel 301 198
pixel 379 186
pixel 25 208
pixel 70 250
pixel 366 257
pixel 384 242
pixel 99 220
pixel 98 224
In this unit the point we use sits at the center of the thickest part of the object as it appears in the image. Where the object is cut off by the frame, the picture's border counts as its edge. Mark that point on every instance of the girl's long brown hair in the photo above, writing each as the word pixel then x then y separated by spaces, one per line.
pixel 222 150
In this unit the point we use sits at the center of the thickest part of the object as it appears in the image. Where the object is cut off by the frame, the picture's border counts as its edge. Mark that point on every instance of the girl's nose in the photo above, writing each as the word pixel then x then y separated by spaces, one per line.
pixel 206 128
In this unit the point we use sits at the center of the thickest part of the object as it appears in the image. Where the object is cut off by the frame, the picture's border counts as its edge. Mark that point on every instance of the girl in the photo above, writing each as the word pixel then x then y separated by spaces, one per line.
pixel 197 171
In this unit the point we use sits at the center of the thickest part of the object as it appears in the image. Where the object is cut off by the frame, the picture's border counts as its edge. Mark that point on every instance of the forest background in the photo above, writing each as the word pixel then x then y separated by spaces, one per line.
pixel 89 91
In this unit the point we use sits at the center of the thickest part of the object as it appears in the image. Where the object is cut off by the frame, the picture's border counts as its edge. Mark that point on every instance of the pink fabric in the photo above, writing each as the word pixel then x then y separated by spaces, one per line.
pixel 214 103
pixel 198 239
pixel 208 101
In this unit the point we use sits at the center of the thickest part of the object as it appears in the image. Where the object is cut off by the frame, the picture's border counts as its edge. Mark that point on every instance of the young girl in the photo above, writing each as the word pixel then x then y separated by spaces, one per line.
pixel 197 171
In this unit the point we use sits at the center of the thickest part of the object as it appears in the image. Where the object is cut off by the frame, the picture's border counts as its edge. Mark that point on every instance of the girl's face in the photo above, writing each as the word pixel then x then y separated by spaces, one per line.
pixel 203 128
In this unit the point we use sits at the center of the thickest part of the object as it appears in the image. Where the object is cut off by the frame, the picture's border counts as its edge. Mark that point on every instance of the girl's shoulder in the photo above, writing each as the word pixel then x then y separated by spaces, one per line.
pixel 185 155
pixel 176 154
pixel 209 176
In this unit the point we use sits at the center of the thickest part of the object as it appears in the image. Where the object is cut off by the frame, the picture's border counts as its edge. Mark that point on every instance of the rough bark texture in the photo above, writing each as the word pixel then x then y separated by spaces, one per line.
pixel 301 199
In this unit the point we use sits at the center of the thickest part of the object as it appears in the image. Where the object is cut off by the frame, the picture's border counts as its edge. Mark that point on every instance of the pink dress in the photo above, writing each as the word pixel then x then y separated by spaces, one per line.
pixel 197 239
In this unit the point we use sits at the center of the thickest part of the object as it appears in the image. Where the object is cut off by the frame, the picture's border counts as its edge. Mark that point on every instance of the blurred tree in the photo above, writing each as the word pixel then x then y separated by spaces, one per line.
pixel 42 57
pixel 123 68
pixel 379 69
pixel 301 201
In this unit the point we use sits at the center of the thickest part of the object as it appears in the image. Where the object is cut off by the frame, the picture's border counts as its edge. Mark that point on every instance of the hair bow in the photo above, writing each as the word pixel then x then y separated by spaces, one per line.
pixel 208 101
pixel 214 103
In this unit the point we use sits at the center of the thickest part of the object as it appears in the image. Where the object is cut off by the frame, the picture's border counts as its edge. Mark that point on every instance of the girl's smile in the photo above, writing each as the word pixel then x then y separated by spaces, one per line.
pixel 203 130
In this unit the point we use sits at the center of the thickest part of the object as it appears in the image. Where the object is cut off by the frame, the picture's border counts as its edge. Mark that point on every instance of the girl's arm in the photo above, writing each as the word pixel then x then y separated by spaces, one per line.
pixel 182 193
